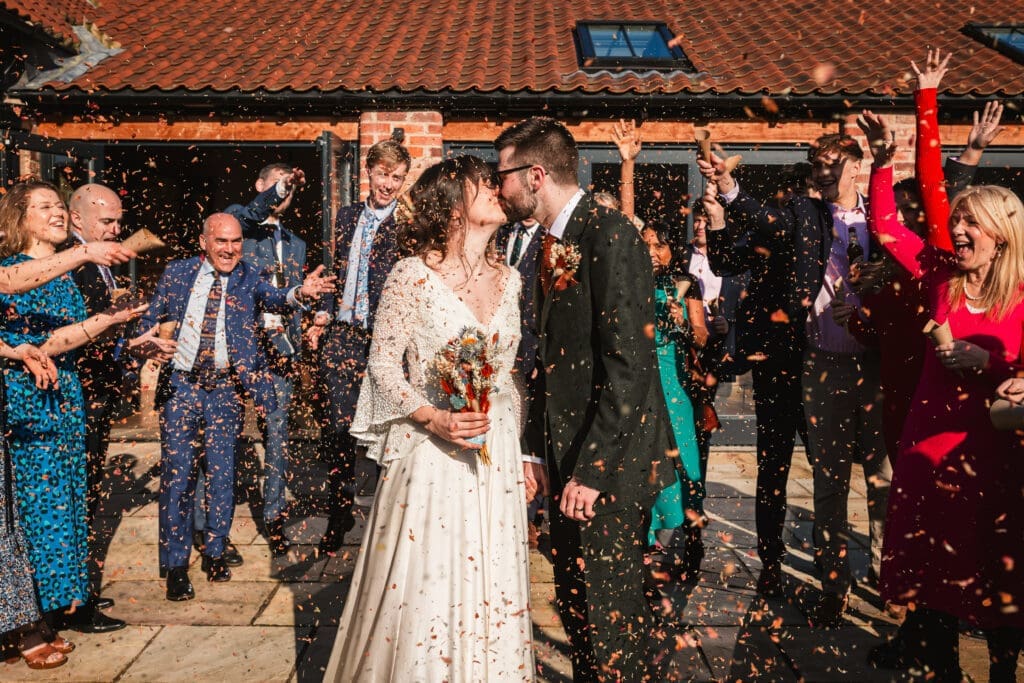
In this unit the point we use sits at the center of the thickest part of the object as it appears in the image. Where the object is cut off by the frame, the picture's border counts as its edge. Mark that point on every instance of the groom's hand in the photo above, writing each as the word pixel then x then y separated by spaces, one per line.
pixel 578 501
pixel 536 477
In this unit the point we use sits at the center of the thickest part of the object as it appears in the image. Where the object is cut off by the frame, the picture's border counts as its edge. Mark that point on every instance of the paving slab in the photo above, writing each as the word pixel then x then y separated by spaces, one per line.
pixel 304 604
pixel 233 603
pixel 97 657
pixel 221 653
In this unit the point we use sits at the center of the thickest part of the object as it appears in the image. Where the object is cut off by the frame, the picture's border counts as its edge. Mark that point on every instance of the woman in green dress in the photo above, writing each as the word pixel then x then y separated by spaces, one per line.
pixel 679 331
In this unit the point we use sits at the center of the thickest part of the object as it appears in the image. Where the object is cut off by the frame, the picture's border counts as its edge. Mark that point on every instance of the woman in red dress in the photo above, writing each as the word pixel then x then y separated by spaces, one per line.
pixel 955 531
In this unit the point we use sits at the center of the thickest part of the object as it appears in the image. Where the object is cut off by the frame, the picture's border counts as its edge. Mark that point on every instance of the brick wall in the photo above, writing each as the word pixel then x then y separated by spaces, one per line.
pixel 904 125
pixel 423 138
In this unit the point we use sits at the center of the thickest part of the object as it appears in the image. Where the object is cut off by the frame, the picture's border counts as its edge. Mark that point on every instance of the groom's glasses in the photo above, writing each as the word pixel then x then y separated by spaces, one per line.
pixel 499 176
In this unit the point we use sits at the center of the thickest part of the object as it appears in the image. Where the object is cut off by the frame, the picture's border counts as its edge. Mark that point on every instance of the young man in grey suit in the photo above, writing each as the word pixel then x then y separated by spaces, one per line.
pixel 598 417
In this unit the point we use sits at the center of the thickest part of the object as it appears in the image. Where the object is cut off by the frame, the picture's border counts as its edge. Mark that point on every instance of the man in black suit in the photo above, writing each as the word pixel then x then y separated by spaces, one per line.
pixel 96 214
pixel 797 250
pixel 598 416
pixel 366 248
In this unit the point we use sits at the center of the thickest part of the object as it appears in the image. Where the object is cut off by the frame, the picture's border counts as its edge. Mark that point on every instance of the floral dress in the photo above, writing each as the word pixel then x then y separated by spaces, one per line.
pixel 17 595
pixel 47 443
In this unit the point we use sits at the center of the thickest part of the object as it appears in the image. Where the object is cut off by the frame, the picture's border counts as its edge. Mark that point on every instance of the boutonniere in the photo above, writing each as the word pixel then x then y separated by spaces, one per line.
pixel 564 261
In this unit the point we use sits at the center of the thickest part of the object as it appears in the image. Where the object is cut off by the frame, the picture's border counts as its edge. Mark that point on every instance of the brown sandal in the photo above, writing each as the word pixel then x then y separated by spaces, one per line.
pixel 62 645
pixel 43 656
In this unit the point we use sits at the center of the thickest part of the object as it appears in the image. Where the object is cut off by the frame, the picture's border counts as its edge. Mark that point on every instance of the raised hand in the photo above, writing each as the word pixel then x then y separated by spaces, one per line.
pixel 108 253
pixel 935 67
pixel 294 180
pixel 713 208
pixel 881 139
pixel 985 129
pixel 123 314
pixel 626 137
pixel 316 284
pixel 716 169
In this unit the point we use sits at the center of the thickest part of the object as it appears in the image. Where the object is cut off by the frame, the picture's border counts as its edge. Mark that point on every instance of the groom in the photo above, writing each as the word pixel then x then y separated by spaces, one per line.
pixel 598 417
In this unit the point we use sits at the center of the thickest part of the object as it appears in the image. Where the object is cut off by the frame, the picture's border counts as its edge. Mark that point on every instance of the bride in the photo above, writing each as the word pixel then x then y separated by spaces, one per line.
pixel 441 586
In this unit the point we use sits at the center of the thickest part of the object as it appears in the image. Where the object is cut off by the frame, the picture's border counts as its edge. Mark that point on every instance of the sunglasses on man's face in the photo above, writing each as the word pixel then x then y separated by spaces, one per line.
pixel 500 175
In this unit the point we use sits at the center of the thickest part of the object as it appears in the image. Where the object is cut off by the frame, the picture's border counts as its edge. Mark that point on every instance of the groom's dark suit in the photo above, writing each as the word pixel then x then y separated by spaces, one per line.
pixel 599 416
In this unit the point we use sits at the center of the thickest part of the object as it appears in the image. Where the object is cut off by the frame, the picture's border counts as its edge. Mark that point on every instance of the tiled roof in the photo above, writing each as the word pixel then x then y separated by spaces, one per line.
pixel 55 17
pixel 828 47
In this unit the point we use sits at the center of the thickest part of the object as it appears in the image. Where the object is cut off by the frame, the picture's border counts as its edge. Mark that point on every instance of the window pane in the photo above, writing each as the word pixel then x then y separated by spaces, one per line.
pixel 648 41
pixel 610 41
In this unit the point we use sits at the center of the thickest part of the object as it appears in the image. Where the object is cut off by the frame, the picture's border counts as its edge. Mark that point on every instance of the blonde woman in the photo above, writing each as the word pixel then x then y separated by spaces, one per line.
pixel 955 524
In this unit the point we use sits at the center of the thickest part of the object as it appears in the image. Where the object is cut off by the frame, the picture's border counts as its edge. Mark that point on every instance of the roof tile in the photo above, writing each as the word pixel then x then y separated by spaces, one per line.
pixel 779 47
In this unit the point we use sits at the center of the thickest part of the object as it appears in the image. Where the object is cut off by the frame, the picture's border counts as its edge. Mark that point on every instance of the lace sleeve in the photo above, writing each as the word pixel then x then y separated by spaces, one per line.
pixel 387 398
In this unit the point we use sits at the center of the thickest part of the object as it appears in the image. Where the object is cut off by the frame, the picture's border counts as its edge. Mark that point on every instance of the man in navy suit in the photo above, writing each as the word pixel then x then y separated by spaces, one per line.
pixel 366 248
pixel 280 256
pixel 215 301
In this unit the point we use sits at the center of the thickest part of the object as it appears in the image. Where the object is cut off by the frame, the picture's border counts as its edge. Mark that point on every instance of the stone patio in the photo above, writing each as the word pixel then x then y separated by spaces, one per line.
pixel 277 618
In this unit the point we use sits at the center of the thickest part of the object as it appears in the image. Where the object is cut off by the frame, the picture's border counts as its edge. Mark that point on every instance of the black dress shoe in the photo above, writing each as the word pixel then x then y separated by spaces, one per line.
pixel 693 555
pixel 216 569
pixel 888 655
pixel 337 526
pixel 828 613
pixel 99 602
pixel 769 582
pixel 198 541
pixel 231 556
pixel 178 586
pixel 276 539
pixel 88 619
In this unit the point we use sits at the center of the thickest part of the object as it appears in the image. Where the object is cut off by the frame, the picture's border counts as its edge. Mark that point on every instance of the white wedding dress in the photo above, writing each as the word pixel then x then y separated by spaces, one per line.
pixel 441 585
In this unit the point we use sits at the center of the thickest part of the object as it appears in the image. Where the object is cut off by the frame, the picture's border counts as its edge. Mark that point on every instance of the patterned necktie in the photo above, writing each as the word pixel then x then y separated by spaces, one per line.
pixel 517 245
pixel 361 306
pixel 108 278
pixel 547 274
pixel 206 356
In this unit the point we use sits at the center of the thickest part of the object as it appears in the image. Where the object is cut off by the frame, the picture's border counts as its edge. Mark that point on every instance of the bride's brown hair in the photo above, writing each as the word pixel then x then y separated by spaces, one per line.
pixel 439 192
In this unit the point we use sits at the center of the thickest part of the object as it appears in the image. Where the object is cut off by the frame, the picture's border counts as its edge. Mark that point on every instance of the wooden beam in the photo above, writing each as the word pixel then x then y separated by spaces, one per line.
pixel 226 131
pixel 660 131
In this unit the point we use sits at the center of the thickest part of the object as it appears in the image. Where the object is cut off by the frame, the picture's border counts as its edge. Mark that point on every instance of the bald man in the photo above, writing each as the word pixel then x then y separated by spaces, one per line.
pixel 96 215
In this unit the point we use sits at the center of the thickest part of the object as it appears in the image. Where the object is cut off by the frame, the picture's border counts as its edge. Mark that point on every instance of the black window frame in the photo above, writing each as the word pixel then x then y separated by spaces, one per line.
pixel 589 59
pixel 982 33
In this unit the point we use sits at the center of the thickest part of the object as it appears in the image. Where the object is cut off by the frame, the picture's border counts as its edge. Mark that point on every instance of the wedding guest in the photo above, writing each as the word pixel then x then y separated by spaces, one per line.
pixel 799 248
pixel 216 364
pixel 47 428
pixel 954 514
pixel 280 256
pixel 96 213
pixel 445 550
pixel 366 250
pixel 679 331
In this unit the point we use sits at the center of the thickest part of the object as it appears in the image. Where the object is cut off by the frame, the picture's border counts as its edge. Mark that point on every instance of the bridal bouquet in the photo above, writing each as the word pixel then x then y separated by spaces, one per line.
pixel 465 367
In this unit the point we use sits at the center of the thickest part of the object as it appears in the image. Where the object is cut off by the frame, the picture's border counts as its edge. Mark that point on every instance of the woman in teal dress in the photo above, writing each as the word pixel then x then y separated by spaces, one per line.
pixel 47 425
pixel 679 328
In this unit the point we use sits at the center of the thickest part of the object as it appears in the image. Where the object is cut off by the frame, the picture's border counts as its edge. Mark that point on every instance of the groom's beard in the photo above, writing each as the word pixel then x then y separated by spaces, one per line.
pixel 520 207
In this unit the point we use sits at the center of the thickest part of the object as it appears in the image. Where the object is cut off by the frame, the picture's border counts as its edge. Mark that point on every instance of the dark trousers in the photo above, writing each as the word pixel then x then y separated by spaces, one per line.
pixel 342 367
pixel 340 447
pixel 98 411
pixel 931 641
pixel 599 576
pixel 778 406
pixel 196 421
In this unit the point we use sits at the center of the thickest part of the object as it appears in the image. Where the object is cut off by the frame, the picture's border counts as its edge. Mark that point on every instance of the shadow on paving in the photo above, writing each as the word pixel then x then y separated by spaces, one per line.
pixel 299 598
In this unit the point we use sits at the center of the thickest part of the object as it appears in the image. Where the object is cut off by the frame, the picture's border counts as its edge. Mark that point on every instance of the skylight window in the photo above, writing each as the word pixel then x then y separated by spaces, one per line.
pixel 603 44
pixel 1006 38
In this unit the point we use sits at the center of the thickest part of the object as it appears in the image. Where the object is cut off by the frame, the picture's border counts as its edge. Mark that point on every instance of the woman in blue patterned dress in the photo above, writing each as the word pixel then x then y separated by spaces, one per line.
pixel 46 428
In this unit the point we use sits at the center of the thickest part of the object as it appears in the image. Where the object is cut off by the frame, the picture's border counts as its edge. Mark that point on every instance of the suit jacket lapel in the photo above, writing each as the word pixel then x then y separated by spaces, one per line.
pixel 573 231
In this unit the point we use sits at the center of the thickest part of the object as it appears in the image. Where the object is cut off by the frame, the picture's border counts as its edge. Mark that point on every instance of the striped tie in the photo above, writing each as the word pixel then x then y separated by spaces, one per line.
pixel 206 357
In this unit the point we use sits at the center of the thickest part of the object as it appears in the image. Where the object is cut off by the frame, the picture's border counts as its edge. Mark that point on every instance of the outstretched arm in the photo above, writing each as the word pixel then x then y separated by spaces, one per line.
pixel 930 178
pixel 21 277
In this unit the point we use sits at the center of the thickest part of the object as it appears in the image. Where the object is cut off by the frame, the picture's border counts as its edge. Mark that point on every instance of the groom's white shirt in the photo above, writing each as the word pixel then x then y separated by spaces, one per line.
pixel 557 228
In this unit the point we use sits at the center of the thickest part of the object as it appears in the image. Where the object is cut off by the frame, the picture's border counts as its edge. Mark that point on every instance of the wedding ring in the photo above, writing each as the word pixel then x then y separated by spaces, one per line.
pixel 578 509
